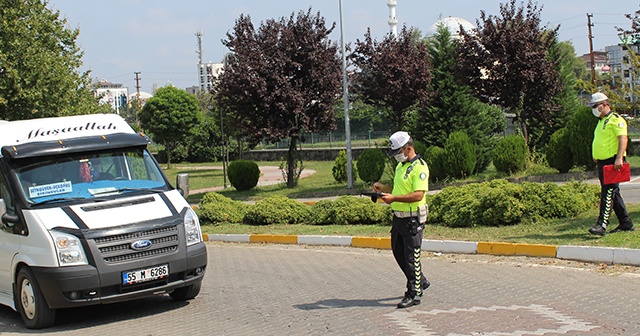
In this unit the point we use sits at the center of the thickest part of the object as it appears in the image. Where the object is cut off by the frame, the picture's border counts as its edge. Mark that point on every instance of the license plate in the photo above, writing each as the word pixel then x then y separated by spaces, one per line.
pixel 147 274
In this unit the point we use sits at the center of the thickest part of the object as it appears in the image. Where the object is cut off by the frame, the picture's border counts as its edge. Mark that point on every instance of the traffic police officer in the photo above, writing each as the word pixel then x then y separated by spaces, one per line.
pixel 609 147
pixel 407 199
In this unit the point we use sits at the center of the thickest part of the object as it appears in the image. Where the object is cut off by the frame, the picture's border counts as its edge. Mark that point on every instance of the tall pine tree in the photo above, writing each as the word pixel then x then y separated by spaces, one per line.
pixel 453 106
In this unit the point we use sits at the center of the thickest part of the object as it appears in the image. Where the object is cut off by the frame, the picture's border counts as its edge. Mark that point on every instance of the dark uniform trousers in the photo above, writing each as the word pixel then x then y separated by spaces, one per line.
pixel 610 199
pixel 406 250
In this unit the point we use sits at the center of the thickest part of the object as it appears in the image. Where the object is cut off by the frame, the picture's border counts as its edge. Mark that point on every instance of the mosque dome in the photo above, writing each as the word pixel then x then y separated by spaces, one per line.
pixel 453 24
pixel 143 96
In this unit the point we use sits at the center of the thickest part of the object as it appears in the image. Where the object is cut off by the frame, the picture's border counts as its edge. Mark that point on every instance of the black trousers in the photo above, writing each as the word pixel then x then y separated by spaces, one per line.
pixel 610 199
pixel 406 250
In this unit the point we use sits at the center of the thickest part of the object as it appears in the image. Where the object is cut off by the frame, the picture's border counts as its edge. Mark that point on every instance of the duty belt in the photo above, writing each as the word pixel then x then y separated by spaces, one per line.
pixel 405 214
pixel 421 213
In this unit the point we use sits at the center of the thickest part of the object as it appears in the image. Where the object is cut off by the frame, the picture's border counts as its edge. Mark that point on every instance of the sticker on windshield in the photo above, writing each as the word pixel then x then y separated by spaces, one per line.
pixel 50 189
pixel 106 191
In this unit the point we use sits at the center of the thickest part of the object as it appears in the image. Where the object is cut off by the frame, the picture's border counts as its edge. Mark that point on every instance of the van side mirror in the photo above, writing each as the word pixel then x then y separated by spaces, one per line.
pixel 9 220
pixel 182 181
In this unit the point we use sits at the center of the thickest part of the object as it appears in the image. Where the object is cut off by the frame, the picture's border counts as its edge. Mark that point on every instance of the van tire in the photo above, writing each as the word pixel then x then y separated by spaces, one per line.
pixel 30 302
pixel 186 293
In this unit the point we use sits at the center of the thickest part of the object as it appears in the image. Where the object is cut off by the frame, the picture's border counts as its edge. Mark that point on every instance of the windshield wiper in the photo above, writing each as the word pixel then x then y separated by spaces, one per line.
pixel 59 199
pixel 121 190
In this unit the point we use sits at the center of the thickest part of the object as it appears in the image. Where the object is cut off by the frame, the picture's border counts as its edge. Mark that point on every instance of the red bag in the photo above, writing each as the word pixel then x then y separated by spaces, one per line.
pixel 613 176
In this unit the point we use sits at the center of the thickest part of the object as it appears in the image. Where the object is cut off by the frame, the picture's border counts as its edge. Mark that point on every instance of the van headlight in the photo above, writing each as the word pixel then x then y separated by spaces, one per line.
pixel 68 249
pixel 192 227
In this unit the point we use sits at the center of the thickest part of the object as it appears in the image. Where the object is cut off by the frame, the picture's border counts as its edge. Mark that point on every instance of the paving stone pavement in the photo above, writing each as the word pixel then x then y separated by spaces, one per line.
pixel 269 289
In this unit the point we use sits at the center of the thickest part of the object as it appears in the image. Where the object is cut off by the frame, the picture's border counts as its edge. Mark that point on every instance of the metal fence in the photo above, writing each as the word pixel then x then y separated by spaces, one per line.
pixel 332 140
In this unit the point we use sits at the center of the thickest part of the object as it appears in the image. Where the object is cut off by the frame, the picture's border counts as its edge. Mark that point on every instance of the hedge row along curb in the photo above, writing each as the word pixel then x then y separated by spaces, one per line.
pixel 622 256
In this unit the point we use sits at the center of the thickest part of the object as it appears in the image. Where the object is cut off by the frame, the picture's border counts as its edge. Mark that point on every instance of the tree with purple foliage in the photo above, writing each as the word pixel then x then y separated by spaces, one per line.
pixel 282 79
pixel 506 61
pixel 393 73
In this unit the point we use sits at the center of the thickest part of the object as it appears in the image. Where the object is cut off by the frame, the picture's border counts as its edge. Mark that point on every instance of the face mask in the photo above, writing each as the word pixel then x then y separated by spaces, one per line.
pixel 400 157
pixel 596 112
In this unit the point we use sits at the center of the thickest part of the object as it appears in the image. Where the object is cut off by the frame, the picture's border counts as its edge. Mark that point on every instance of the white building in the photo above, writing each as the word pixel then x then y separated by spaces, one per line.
pixel 208 74
pixel 619 59
pixel 600 60
pixel 113 94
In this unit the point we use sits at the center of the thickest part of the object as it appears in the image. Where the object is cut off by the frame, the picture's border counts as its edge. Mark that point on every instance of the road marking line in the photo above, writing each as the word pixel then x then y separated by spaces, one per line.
pixel 408 321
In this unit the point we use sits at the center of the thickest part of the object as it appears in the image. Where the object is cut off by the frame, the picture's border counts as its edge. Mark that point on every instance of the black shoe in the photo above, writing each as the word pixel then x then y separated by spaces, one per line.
pixel 621 228
pixel 425 285
pixel 598 230
pixel 408 302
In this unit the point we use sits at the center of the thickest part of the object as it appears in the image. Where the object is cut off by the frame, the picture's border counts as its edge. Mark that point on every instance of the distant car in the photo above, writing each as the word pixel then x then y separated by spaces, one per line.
pixel 627 117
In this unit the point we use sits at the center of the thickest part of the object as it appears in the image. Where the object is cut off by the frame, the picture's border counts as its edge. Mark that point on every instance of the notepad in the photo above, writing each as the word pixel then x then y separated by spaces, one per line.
pixel 613 176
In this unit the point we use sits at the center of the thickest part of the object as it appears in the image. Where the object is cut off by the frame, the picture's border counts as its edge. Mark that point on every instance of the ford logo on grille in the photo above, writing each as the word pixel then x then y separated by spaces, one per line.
pixel 141 244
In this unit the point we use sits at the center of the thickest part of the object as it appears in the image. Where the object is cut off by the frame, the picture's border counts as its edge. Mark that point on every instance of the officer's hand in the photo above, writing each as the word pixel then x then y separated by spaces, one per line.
pixel 377 187
pixel 387 198
pixel 618 164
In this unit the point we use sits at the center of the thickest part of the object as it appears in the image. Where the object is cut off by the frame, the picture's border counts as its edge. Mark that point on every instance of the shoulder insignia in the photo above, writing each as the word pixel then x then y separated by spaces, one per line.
pixel 423 176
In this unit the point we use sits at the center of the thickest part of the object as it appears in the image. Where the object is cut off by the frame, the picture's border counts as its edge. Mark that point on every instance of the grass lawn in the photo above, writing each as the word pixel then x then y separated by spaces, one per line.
pixel 554 232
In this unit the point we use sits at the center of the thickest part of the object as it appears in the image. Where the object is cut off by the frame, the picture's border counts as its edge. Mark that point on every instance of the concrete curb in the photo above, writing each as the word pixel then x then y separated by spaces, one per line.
pixel 622 256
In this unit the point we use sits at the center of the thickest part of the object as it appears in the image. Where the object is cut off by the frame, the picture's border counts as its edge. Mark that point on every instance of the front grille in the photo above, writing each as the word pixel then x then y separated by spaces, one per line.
pixel 117 248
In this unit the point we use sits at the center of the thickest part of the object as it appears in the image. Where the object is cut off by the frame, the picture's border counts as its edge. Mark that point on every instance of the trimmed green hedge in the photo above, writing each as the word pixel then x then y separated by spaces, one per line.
pixel 500 202
pixel 215 208
pixel 350 210
pixel 494 203
pixel 277 210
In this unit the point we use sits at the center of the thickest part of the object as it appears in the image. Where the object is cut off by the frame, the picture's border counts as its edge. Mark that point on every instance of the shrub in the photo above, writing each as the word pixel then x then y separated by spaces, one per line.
pixel 371 165
pixel 339 169
pixel 243 174
pixel 503 203
pixel 460 154
pixel 350 210
pixel 203 153
pixel 559 152
pixel 581 128
pixel 277 210
pixel 179 153
pixel 216 208
pixel 500 204
pixel 510 155
pixel 435 158
pixel 456 206
pixel 420 147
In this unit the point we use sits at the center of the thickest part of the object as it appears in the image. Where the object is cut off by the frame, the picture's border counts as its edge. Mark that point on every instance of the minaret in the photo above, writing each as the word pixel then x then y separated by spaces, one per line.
pixel 199 50
pixel 202 76
pixel 393 21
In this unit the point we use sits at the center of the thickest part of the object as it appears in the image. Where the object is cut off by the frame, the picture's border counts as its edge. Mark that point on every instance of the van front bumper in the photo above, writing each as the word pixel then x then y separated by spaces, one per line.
pixel 75 286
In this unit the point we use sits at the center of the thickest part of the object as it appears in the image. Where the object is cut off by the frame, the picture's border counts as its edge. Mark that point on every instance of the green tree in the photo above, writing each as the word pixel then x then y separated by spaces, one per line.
pixel 393 74
pixel 453 107
pixel 169 116
pixel 283 80
pixel 506 61
pixel 39 60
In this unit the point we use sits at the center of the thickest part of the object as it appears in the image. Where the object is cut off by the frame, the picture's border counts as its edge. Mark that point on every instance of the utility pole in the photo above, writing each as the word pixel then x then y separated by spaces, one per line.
pixel 138 102
pixel 593 63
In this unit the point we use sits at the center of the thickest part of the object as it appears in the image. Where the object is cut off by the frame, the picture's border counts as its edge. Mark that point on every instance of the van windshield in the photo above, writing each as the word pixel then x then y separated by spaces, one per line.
pixel 88 176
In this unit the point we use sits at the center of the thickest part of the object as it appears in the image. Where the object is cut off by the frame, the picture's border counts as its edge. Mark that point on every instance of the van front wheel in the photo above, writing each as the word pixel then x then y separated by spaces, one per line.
pixel 30 302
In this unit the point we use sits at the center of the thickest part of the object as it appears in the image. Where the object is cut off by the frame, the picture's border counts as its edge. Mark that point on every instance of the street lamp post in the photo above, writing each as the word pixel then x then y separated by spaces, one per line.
pixel 224 165
pixel 347 127
pixel 224 152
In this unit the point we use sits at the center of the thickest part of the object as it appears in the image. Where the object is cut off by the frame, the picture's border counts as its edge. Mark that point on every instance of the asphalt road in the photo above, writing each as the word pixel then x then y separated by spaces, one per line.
pixel 256 289
pixel 630 191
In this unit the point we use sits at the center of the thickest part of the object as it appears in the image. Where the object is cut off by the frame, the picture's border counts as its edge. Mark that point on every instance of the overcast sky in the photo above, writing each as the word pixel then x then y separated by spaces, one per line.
pixel 158 37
